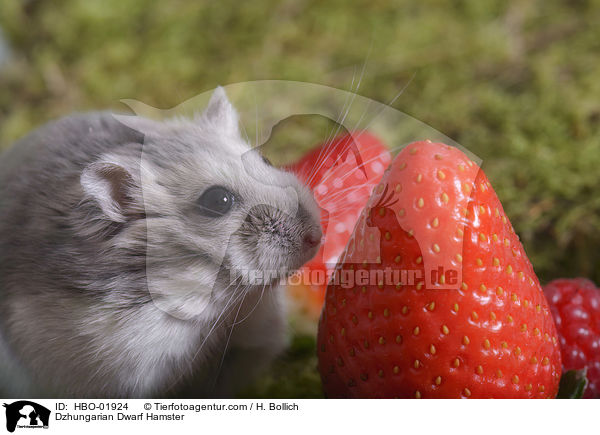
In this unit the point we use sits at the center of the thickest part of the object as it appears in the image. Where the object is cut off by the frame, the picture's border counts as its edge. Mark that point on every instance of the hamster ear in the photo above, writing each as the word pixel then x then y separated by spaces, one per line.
pixel 221 112
pixel 109 184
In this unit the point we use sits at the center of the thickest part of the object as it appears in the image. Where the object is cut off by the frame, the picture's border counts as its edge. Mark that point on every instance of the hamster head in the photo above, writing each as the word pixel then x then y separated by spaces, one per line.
pixel 206 202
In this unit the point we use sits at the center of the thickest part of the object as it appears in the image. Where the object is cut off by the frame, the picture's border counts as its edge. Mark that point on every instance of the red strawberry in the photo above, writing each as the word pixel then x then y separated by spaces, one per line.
pixel 480 328
pixel 342 174
pixel 575 304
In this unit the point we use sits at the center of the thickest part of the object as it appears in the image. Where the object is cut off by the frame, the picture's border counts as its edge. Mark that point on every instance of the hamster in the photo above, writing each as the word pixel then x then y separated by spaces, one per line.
pixel 123 249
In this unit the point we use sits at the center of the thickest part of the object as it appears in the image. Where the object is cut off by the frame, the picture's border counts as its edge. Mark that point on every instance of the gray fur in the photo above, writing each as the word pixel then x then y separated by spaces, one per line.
pixel 112 284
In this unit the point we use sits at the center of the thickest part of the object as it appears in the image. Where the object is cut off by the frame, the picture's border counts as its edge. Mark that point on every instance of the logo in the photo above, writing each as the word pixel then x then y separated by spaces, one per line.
pixel 26 415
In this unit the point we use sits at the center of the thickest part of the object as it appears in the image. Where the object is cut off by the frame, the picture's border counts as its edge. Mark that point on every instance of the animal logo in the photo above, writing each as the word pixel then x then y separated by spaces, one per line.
pixel 26 414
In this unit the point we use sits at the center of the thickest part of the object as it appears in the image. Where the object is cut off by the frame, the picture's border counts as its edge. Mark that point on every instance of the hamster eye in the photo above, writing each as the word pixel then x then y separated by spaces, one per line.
pixel 216 201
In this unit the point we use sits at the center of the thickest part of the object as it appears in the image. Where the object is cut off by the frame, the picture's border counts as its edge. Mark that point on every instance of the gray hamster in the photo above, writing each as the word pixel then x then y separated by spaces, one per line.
pixel 123 249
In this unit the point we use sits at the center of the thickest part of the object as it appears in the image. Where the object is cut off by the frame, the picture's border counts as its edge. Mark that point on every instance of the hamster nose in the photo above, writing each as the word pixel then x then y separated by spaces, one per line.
pixel 312 239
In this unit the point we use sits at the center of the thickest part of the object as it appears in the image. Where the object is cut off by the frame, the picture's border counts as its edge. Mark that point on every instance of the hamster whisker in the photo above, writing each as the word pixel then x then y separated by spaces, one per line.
pixel 327 149
pixel 353 92
pixel 191 361
pixel 347 174
pixel 257 128
pixel 241 123
pixel 361 77
pixel 392 101
pixel 223 311
pixel 231 328
pixel 333 133
pixel 255 305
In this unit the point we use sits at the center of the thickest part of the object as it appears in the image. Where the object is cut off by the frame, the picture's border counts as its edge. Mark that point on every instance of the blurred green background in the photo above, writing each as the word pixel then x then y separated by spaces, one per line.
pixel 515 82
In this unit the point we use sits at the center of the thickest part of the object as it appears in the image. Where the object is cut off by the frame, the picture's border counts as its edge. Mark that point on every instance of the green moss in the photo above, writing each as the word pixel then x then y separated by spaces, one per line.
pixel 293 376
pixel 514 82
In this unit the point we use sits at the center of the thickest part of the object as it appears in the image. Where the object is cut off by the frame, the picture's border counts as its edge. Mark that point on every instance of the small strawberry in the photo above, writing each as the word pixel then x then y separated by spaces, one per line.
pixel 450 306
pixel 341 174
pixel 575 304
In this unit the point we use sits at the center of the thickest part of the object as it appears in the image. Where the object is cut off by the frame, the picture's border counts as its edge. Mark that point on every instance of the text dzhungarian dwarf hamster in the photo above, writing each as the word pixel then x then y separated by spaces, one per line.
pixel 123 251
